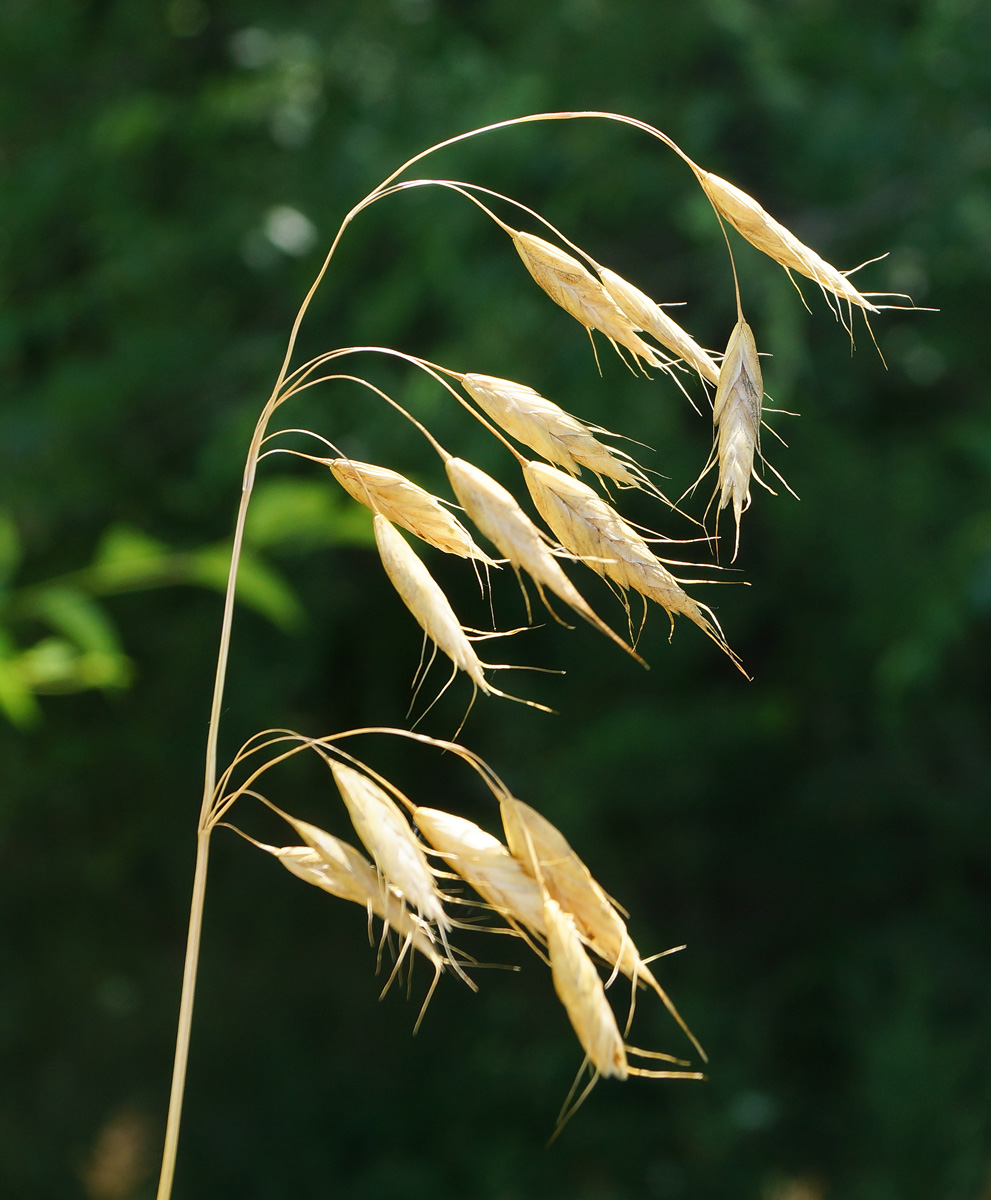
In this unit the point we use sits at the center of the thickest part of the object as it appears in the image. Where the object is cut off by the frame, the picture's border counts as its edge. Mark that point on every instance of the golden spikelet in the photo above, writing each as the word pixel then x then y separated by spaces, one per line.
pixel 386 835
pixel 546 855
pixel 495 512
pixel 547 430
pixel 335 867
pixel 649 317
pixel 595 532
pixel 406 504
pixel 736 417
pixel 486 865
pixel 579 293
pixel 580 990
pixel 761 230
pixel 425 599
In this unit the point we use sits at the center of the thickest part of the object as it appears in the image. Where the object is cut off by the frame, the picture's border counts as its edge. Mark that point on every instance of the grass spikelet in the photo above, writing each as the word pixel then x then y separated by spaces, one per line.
pixel 341 870
pixel 736 417
pixel 579 293
pixel 486 865
pixel 580 990
pixel 546 855
pixel 546 429
pixel 406 504
pixel 595 532
pixel 387 836
pixel 583 995
pixel 649 317
pixel 425 599
pixel 770 236
pixel 495 512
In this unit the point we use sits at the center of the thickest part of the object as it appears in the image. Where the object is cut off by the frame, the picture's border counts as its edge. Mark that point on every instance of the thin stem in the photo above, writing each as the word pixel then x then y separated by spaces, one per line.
pixel 185 1016
pixel 191 964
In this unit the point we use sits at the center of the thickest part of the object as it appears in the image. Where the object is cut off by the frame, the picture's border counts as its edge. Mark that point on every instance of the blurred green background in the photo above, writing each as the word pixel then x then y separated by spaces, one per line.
pixel 819 837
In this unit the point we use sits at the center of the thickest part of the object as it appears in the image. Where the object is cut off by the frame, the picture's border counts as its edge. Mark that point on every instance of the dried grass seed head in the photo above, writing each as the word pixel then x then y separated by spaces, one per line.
pixel 649 317
pixel 387 836
pixel 339 869
pixel 595 532
pixel 546 429
pixel 579 293
pixel 580 990
pixel 495 512
pixel 736 415
pixel 486 865
pixel 408 505
pixel 770 236
pixel 547 855
pixel 589 527
pixel 425 599
pixel 357 881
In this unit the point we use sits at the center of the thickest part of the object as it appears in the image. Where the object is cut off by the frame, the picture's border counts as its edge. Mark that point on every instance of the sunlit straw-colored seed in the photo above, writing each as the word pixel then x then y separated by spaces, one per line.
pixel 495 512
pixel 484 862
pixel 595 532
pixel 387 836
pixel 580 990
pixel 651 318
pixel 736 416
pixel 406 504
pixel 425 599
pixel 342 871
pixel 546 855
pixel 551 432
pixel 763 231
pixel 579 293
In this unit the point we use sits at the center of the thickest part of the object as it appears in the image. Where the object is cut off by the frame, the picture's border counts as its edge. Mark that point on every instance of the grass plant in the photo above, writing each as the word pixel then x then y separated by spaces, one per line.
pixel 533 883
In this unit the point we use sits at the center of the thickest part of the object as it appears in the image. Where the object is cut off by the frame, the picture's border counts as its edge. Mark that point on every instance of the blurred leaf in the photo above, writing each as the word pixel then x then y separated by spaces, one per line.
pixel 127 558
pixel 55 665
pixel 16 700
pixel 303 514
pixel 78 616
pixel 134 122
pixel 10 547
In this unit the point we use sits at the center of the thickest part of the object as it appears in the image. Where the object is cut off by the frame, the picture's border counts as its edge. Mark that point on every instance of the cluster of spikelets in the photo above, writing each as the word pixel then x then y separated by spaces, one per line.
pixel 534 882
pixel 586 528
pixel 583 526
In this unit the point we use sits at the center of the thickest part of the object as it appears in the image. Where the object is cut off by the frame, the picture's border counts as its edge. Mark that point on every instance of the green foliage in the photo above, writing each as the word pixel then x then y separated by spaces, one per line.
pixel 82 649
